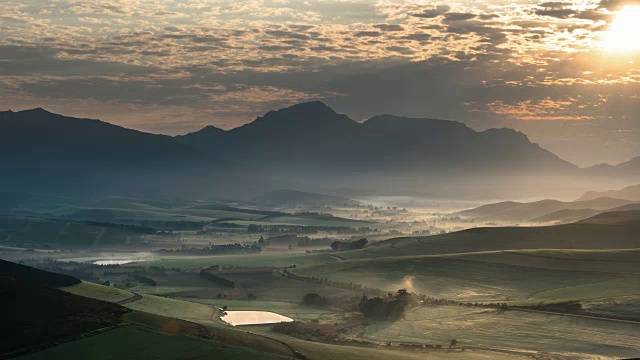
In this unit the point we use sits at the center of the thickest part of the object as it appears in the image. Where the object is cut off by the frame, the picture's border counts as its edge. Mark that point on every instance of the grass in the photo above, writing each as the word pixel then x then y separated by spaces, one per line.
pixel 250 260
pixel 512 330
pixel 131 342
pixel 572 236
pixel 100 292
pixel 184 310
pixel 496 276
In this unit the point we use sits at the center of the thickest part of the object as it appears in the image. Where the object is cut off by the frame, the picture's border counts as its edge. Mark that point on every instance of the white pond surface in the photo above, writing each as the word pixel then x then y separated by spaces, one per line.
pixel 236 318
pixel 114 262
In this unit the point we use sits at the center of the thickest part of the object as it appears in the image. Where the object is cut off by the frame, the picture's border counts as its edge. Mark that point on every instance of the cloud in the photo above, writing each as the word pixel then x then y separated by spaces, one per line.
pixel 226 61
pixel 434 12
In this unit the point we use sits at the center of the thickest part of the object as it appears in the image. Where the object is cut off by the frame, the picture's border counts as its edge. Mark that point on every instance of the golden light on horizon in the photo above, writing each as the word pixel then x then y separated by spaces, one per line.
pixel 623 35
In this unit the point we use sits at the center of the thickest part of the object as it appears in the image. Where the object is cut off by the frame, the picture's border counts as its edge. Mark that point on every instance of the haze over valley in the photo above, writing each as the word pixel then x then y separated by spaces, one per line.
pixel 327 179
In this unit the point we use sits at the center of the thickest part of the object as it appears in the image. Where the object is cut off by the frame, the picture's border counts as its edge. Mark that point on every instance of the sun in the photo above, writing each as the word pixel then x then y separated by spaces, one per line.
pixel 624 32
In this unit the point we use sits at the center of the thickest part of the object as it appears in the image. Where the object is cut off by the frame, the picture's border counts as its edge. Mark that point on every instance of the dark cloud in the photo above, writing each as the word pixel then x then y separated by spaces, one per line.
pixel 459 16
pixel 433 13
pixel 367 34
pixel 556 13
pixel 389 27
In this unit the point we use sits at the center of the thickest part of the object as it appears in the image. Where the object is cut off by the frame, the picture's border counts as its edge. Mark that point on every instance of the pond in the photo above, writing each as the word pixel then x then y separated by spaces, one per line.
pixel 114 262
pixel 236 318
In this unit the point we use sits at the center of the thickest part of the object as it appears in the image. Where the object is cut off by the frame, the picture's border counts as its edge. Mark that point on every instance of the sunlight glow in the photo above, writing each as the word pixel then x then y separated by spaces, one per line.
pixel 624 32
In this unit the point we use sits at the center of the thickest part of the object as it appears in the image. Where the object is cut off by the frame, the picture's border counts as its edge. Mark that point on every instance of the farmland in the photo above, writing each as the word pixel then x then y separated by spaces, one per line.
pixel 567 336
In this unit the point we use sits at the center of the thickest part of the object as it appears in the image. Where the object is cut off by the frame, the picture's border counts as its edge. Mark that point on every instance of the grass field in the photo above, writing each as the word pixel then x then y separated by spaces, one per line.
pixel 496 276
pixel 131 342
pixel 572 236
pixel 250 260
pixel 571 336
pixel 100 292
pixel 184 310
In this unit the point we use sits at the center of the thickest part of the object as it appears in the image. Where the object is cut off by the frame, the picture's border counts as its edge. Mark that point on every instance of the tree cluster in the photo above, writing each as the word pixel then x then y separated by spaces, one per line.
pixel 349 245
pixel 388 308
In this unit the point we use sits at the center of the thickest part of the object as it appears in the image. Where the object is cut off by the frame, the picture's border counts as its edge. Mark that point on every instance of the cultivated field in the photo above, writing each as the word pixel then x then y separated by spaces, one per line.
pixel 573 337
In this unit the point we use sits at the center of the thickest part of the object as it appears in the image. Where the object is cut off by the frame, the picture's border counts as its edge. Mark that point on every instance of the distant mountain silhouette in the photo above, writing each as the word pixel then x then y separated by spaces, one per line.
pixel 629 193
pixel 313 137
pixel 630 169
pixel 516 211
pixel 40 135
pixel 304 146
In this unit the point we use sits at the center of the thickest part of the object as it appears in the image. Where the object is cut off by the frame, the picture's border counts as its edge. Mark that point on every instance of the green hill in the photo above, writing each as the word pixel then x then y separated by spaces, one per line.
pixel 570 236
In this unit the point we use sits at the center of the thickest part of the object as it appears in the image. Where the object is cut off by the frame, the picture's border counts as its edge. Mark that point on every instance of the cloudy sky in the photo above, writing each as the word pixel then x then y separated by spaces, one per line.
pixel 566 73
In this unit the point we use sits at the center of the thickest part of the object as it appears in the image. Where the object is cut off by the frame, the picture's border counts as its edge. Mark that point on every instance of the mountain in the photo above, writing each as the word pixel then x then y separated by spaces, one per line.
pixel 567 216
pixel 38 135
pixel 517 211
pixel 305 146
pixel 45 152
pixel 283 198
pixel 629 193
pixel 312 136
pixel 629 169
pixel 203 137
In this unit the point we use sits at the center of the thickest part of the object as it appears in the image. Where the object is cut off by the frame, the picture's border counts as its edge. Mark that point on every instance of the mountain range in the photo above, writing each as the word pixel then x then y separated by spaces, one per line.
pixel 301 147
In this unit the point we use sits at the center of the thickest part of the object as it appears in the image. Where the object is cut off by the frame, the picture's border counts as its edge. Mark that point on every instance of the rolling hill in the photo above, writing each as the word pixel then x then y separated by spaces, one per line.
pixel 614 217
pixel 567 216
pixel 517 211
pixel 37 313
pixel 285 198
pixel 569 236
pixel 628 193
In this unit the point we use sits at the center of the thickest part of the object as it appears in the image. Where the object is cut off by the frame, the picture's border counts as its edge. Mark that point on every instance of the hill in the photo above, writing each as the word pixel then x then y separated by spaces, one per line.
pixel 614 217
pixel 628 193
pixel 33 232
pixel 570 236
pixel 285 198
pixel 567 216
pixel 517 211
pixel 36 313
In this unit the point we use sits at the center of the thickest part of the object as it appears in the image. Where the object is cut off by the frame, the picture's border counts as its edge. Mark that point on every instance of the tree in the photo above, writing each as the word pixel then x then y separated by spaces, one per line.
pixel 453 343
pixel 251 296
pixel 314 299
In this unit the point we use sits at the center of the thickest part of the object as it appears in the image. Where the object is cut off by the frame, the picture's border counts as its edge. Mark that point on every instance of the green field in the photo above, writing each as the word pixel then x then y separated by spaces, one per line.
pixel 565 335
pixel 100 292
pixel 136 342
pixel 496 276
pixel 183 310
pixel 572 236
pixel 251 260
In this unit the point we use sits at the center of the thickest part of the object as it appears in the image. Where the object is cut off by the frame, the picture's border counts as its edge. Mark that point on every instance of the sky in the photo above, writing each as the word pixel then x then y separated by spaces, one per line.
pixel 565 73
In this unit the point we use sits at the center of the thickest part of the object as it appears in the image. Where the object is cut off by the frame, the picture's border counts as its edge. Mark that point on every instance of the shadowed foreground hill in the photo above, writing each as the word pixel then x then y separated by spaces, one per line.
pixel 570 236
pixel 36 313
